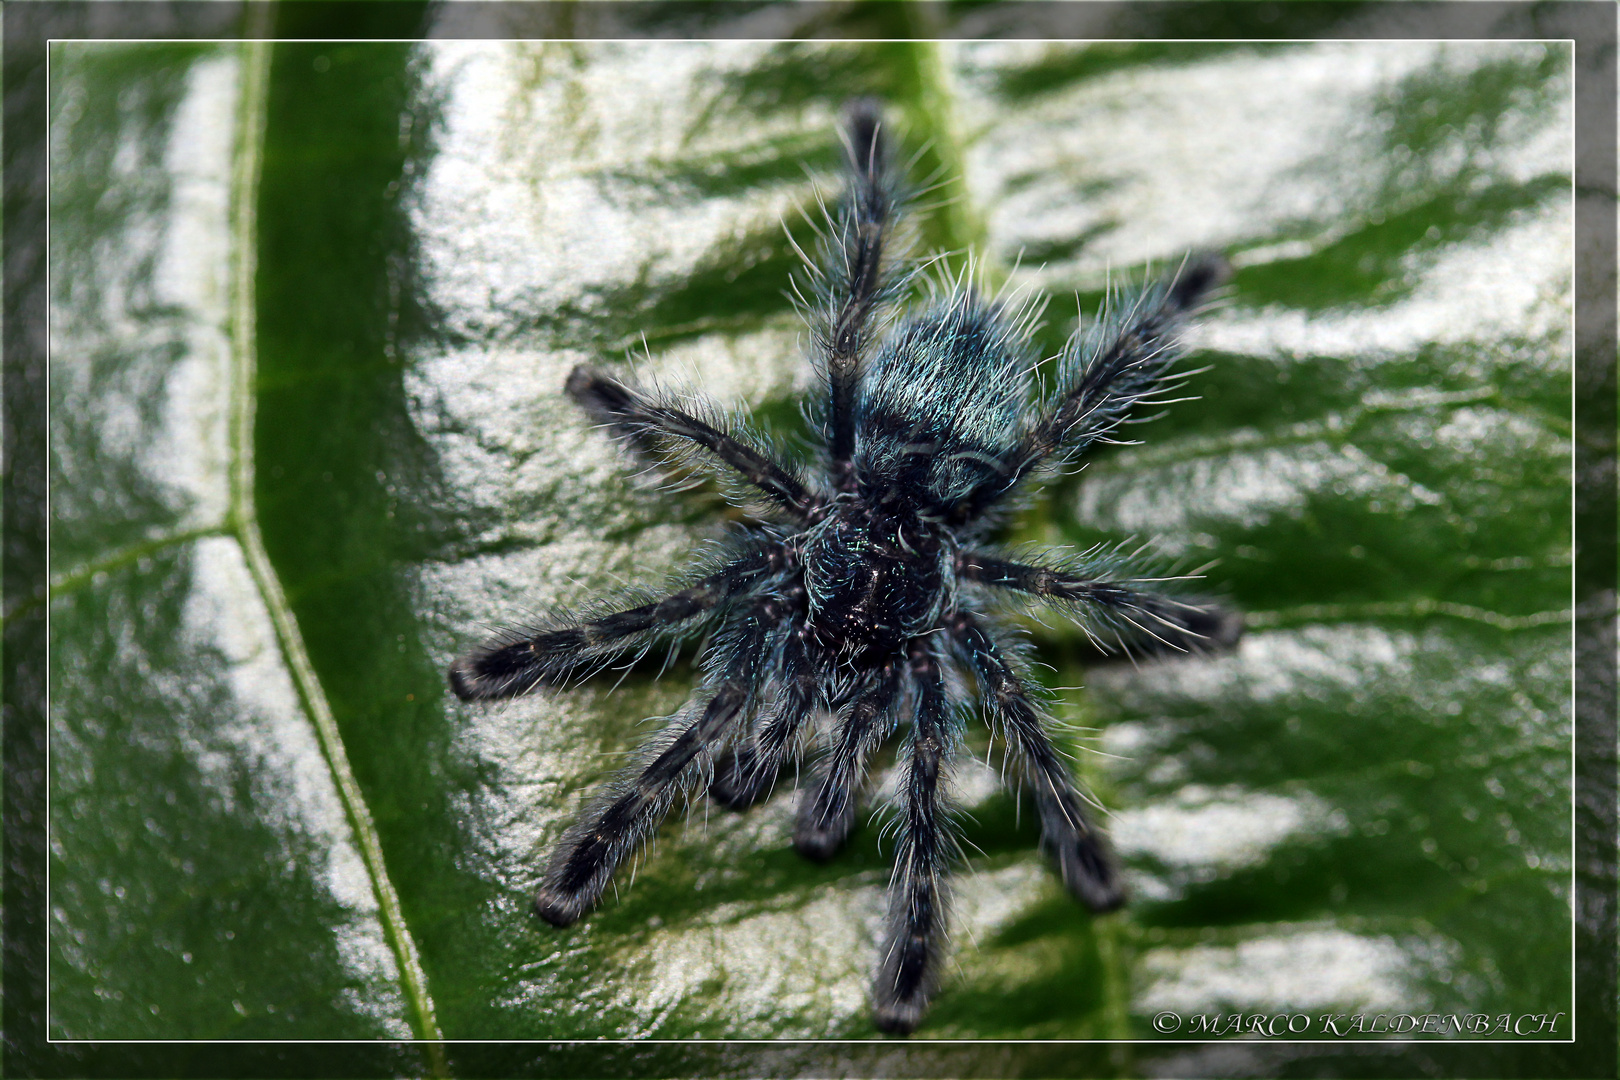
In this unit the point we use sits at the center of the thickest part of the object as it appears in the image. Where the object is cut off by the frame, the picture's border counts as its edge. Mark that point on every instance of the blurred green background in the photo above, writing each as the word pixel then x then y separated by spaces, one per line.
pixel 270 821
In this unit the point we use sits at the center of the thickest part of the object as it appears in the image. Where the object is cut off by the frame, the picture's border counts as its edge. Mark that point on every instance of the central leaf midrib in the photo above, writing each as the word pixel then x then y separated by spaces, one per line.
pixel 243 523
pixel 962 228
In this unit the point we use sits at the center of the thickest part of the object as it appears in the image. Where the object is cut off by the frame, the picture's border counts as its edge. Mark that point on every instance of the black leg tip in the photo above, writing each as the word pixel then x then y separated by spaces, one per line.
pixel 898 1017
pixel 464 682
pixel 863 121
pixel 905 982
pixel 818 845
pixel 817 835
pixel 736 786
pixel 471 681
pixel 825 821
pixel 1222 628
pixel 497 671
pixel 558 909
pixel 1100 897
pixel 1202 273
pixel 604 400
pixel 1209 628
pixel 1091 875
pixel 898 1009
pixel 728 797
pixel 580 381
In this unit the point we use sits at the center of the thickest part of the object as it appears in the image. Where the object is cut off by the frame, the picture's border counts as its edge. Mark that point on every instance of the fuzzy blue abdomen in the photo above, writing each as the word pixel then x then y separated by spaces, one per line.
pixel 938 409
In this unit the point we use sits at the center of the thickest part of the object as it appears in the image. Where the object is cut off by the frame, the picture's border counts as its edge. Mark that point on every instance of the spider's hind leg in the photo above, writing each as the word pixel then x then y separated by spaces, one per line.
pixel 614 827
pixel 1085 859
pixel 827 813
pixel 917 893
pixel 745 772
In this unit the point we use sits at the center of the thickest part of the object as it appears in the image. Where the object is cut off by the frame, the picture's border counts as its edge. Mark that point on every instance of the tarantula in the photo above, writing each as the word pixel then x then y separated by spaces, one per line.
pixel 856 592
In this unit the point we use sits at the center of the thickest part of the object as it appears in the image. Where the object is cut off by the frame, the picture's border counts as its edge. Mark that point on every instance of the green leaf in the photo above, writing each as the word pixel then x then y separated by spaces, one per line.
pixel 215 870
pixel 1364 808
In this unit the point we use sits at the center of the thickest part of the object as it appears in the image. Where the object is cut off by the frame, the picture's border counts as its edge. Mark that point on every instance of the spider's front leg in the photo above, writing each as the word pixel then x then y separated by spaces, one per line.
pixel 917 898
pixel 1125 363
pixel 855 275
pixel 1084 857
pixel 641 419
pixel 614 827
pixel 1128 366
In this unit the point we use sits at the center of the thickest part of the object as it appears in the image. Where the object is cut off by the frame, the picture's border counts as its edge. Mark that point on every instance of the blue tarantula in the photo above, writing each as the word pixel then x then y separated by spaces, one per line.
pixel 857 591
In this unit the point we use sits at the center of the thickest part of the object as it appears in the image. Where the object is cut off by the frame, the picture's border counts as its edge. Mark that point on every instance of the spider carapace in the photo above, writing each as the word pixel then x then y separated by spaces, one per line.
pixel 855 600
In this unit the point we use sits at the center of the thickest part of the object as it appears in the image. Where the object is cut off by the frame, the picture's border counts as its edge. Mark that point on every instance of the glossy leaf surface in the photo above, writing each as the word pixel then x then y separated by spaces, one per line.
pixel 1365 807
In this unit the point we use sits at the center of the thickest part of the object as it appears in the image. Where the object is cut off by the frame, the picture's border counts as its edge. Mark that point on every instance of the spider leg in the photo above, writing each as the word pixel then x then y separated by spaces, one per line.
pixel 746 772
pixel 854 272
pixel 827 813
pixel 1108 374
pixel 917 894
pixel 1084 857
pixel 509 665
pixel 593 848
pixel 1142 620
pixel 641 419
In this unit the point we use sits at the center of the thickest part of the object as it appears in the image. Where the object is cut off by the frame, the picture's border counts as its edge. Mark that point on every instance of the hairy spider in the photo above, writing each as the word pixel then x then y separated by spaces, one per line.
pixel 857 591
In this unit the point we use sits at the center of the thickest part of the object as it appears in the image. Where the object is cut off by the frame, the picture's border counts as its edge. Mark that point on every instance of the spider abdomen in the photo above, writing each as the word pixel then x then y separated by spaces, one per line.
pixel 940 408
pixel 875 580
